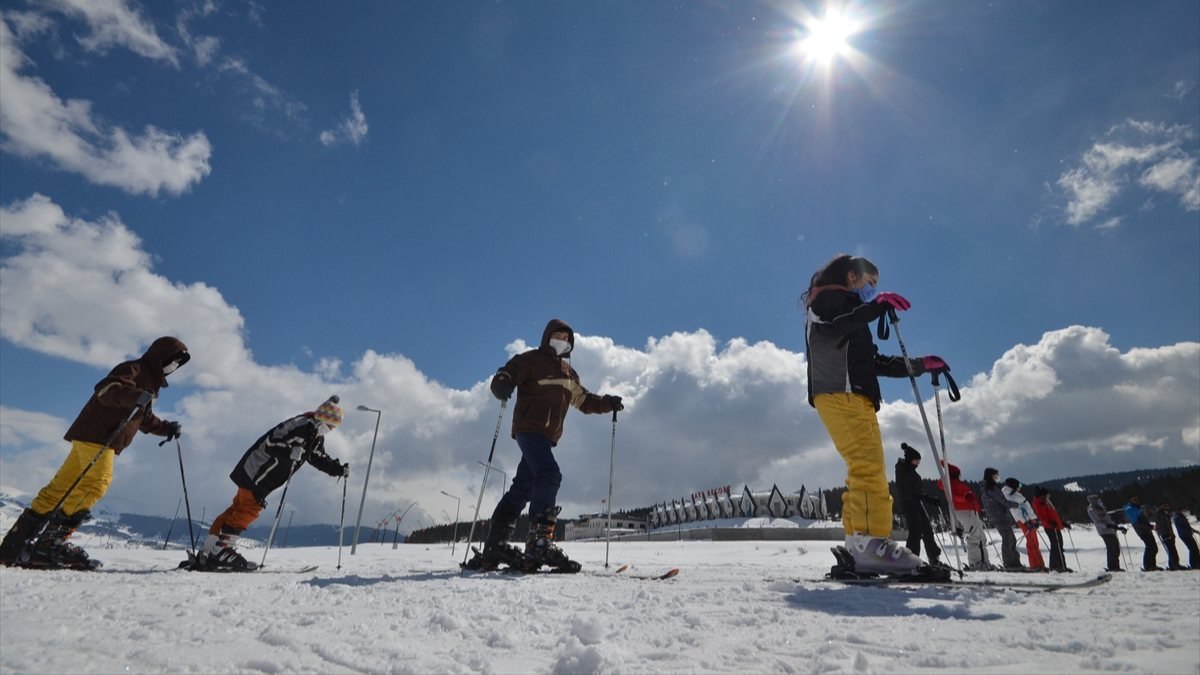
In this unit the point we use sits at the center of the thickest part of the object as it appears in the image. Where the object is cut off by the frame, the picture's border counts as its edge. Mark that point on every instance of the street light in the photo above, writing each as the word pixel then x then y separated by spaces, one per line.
pixel 502 475
pixel 456 509
pixel 367 478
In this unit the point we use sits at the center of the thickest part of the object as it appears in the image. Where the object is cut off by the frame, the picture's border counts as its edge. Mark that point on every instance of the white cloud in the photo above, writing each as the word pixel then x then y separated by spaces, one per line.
pixel 115 23
pixel 701 412
pixel 204 47
pixel 1181 89
pixel 1157 157
pixel 351 129
pixel 268 103
pixel 36 123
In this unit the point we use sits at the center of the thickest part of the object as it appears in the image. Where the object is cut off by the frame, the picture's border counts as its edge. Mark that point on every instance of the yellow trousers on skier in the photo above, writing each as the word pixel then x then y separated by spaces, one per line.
pixel 90 489
pixel 851 423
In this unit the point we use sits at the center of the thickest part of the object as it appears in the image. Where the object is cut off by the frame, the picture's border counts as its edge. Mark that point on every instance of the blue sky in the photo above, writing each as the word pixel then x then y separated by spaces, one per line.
pixel 324 195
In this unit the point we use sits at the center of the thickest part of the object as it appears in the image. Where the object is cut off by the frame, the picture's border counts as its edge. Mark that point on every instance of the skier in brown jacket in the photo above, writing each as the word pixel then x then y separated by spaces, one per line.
pixel 546 385
pixel 120 406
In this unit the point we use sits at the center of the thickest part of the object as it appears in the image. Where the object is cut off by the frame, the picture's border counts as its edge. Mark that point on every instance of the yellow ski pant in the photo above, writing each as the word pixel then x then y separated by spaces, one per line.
pixel 90 489
pixel 851 423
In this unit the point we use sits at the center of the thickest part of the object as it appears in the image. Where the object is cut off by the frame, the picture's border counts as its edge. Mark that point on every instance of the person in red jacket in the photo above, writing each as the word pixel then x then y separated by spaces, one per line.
pixel 966 509
pixel 1053 524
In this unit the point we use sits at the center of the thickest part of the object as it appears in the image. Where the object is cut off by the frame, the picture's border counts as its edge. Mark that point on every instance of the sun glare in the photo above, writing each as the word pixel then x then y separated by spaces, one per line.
pixel 827 38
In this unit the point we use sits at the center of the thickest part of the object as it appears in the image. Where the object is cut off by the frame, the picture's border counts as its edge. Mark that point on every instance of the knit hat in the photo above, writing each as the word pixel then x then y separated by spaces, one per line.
pixel 1094 499
pixel 329 412
pixel 910 453
pixel 1012 482
pixel 954 471
pixel 1040 491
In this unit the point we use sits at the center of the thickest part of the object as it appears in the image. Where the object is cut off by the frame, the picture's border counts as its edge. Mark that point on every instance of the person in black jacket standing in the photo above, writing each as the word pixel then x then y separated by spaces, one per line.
pixel 912 500
pixel 265 467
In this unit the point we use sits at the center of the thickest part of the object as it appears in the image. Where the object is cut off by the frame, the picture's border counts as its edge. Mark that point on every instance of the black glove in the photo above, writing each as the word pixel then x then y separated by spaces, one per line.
pixel 144 398
pixel 1067 525
pixel 1123 529
pixel 614 402
pixel 502 387
pixel 959 531
pixel 174 430
pixel 346 470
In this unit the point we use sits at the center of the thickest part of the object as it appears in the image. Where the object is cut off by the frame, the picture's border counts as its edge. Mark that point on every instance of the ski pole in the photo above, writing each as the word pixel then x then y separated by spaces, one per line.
pixel 279 512
pixel 487 468
pixel 167 539
pixel 612 454
pixel 342 521
pixel 186 502
pixel 942 470
pixel 1128 557
pixel 1074 550
pixel 62 500
pixel 936 533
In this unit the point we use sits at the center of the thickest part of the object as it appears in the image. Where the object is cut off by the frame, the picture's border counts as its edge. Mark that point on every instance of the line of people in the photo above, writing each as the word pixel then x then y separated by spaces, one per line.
pixel 121 405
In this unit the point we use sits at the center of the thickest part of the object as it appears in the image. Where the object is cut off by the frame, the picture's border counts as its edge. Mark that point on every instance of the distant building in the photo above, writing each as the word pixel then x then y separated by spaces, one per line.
pixel 592 526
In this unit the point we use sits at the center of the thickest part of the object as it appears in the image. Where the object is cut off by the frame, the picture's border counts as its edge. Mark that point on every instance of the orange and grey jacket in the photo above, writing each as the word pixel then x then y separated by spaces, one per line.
pixel 546 385
pixel 116 396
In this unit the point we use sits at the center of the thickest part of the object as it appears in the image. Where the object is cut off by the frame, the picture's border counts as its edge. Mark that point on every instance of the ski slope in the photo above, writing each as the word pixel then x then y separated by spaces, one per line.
pixel 736 608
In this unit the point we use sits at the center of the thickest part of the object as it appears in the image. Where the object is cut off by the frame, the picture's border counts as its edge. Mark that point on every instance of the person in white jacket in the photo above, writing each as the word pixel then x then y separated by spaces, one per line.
pixel 1022 512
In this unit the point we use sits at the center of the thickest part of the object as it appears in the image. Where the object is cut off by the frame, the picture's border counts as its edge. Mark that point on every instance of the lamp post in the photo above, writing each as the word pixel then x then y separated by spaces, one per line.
pixel 367 478
pixel 503 475
pixel 454 541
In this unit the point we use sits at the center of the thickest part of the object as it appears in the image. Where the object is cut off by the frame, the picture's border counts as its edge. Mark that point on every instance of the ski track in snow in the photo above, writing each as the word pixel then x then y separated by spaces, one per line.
pixel 734 609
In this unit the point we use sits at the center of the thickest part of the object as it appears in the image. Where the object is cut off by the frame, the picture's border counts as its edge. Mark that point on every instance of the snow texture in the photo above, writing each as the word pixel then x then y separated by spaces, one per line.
pixel 737 607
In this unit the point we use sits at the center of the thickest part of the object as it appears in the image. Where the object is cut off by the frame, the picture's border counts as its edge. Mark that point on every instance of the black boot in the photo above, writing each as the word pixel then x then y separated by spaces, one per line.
pixel 496 549
pixel 28 526
pixel 540 549
pixel 52 550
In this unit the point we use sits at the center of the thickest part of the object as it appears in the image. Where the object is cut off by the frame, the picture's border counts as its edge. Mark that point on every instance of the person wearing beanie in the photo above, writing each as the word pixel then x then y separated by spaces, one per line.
pixel 995 505
pixel 1139 519
pixel 1026 519
pixel 121 405
pixel 912 501
pixel 1107 528
pixel 1053 525
pixel 966 511
pixel 267 465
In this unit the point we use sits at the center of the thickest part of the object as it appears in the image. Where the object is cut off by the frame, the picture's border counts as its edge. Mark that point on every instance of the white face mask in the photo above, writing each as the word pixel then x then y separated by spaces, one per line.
pixel 560 347
pixel 323 429
pixel 170 367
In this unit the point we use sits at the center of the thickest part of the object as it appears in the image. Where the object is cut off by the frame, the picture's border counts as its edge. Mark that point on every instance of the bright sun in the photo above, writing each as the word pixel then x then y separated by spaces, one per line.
pixel 827 38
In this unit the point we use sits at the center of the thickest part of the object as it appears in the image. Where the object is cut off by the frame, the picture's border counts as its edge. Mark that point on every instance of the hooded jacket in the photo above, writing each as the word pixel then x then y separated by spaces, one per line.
pixel 1018 506
pixel 908 484
pixel 996 504
pixel 268 463
pixel 962 494
pixel 115 397
pixel 1100 518
pixel 547 386
pixel 1047 514
pixel 1162 523
pixel 842 357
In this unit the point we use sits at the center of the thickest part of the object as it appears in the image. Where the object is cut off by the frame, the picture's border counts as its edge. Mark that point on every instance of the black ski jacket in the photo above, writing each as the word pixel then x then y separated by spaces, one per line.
pixel 842 357
pixel 268 463
pixel 909 492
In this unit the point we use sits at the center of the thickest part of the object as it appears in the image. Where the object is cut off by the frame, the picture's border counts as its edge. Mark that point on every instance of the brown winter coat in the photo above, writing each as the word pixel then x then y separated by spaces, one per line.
pixel 116 396
pixel 546 385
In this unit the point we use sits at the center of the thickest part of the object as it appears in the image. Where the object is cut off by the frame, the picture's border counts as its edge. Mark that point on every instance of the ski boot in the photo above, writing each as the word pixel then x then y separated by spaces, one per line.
pixel 540 549
pixel 865 557
pixel 53 551
pixel 496 549
pixel 219 555
pixel 28 526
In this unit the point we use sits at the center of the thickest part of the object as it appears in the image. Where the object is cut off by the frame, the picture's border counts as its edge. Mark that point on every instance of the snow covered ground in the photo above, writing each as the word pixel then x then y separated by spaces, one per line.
pixel 745 607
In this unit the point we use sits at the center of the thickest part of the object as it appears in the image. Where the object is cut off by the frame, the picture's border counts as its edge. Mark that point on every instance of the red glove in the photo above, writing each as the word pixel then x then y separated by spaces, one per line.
pixel 893 300
pixel 934 364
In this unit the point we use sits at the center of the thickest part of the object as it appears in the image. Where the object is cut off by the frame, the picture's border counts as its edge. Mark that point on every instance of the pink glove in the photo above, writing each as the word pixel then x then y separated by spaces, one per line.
pixel 894 300
pixel 934 364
